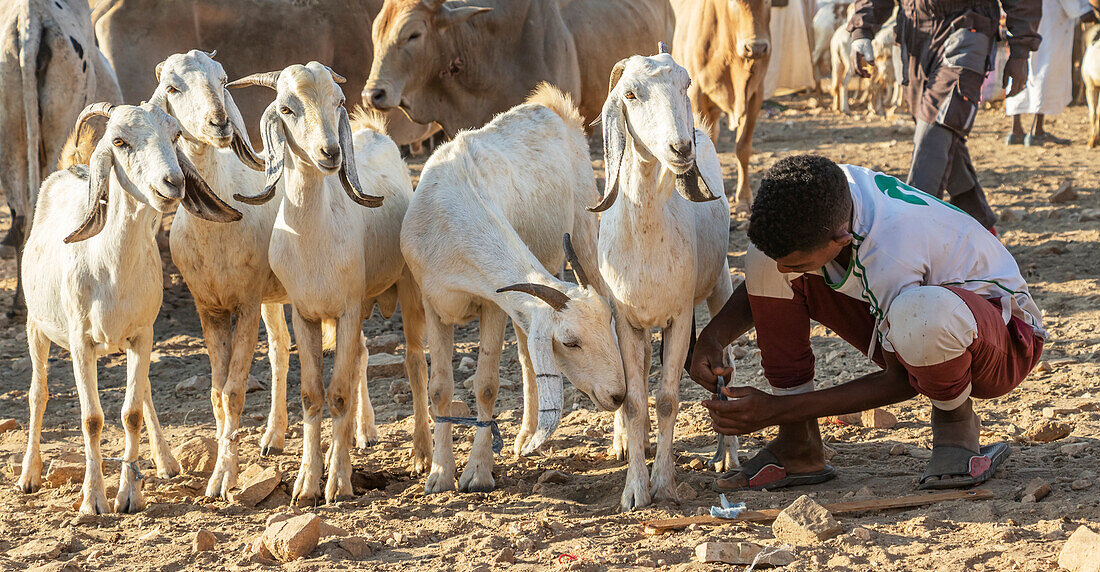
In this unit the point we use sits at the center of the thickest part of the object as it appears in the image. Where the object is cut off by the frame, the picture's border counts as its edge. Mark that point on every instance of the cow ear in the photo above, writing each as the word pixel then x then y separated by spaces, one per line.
pixel 447 16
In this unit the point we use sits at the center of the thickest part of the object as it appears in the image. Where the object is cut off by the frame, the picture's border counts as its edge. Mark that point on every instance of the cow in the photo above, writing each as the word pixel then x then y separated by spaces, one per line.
pixel 458 64
pixel 136 35
pixel 726 47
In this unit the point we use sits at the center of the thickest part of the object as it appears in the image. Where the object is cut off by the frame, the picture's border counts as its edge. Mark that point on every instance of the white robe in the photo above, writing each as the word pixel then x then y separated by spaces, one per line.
pixel 1049 83
pixel 790 66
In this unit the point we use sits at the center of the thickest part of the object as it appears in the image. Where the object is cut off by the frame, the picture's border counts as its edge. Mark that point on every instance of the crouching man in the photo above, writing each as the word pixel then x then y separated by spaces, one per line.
pixel 918 286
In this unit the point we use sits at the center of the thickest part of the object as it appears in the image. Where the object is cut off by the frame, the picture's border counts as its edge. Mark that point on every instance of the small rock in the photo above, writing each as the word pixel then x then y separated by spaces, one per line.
pixel 861 533
pixel 399 386
pixel 385 365
pixel 8 425
pixel 1055 412
pixel 384 344
pixel 468 383
pixel 62 473
pixel 1048 430
pixel 277 499
pixel 865 491
pixel 593 433
pixel 481 568
pixel 257 487
pixel 197 455
pixel 696 465
pixel 204 540
pixel 401 398
pixel 332 530
pixel 897 449
pixel 459 409
pixel 1081 553
pixel 1043 367
pixel 194 383
pixel 1064 194
pixel 920 453
pixel 467 364
pixel 293 538
pixel 254 384
pixel 525 543
pixel 1074 449
pixel 741 553
pixel 505 556
pixel 21 365
pixel 1080 484
pixel 1012 215
pixel 879 419
pixel 555 477
pixel 255 551
pixel 849 419
pixel 805 522
pixel 357 547
pixel 686 492
pixel 1035 490
pixel 38 549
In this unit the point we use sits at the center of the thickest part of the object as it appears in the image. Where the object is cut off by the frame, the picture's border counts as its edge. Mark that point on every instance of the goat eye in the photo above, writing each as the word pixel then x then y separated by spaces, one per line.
pixel 176 137
pixel 118 142
pixel 171 89
pixel 629 95
pixel 571 344
pixel 285 110
pixel 413 36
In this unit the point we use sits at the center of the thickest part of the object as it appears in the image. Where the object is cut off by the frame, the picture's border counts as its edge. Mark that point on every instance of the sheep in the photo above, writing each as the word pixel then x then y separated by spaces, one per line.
pixel 97 289
pixel 480 238
pixel 840 49
pixel 1090 76
pixel 661 254
pixel 225 265
pixel 334 259
pixel 827 20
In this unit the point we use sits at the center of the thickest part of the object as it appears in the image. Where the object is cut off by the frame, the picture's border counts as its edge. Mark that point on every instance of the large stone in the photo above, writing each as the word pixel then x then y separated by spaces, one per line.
pixel 878 419
pixel 1081 553
pixel 61 473
pixel 257 487
pixel 1074 449
pixel 204 540
pixel 8 425
pixel 385 365
pixel 197 455
pixel 384 344
pixel 805 522
pixel 742 553
pixel 357 547
pixel 686 492
pixel 1064 193
pixel 38 549
pixel 1048 430
pixel 293 538
pixel 254 384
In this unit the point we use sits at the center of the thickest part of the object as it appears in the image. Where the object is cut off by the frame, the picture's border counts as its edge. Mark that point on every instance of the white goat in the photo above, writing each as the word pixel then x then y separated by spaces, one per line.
pixel 1090 76
pixel 827 20
pixel 480 235
pixel 661 254
pixel 98 289
pixel 225 265
pixel 336 259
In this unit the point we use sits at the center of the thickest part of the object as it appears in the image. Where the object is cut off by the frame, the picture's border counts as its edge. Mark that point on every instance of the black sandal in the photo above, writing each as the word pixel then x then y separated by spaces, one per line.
pixel 950 460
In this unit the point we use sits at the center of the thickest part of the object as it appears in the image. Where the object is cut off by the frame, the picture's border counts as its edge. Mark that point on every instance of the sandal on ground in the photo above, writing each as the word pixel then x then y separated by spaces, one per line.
pixel 970 469
pixel 1014 139
pixel 764 471
pixel 1038 140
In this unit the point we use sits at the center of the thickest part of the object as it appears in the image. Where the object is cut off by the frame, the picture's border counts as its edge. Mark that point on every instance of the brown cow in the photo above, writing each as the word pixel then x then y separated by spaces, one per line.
pixel 459 64
pixel 726 46
pixel 250 37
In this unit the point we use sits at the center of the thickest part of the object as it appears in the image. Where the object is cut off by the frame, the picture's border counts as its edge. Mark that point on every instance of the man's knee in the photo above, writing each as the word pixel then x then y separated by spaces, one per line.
pixel 930 325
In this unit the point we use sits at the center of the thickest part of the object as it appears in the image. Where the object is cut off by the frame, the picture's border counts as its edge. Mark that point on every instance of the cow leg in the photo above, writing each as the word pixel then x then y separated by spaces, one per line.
pixel 278 356
pixel 30 479
pixel 477 477
pixel 416 369
pixel 307 486
pixel 743 151
pixel 441 388
pixel 129 498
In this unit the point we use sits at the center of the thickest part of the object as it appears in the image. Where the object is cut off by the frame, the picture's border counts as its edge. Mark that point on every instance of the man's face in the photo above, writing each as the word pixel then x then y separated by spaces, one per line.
pixel 809 260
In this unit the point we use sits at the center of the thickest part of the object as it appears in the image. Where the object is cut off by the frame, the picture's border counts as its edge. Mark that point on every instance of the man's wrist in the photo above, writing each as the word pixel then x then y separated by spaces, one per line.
pixel 1018 52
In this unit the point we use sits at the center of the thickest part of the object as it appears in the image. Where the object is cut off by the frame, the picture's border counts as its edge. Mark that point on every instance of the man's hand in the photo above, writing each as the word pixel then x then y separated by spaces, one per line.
pixel 863 57
pixel 1016 75
pixel 708 361
pixel 746 411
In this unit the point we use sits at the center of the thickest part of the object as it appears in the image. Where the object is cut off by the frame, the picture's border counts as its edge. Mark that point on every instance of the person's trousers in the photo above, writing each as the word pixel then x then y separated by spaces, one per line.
pixel 941 162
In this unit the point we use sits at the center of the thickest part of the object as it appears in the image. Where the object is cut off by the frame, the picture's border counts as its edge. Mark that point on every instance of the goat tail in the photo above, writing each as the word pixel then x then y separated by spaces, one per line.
pixel 559 102
pixel 363 118
pixel 30 38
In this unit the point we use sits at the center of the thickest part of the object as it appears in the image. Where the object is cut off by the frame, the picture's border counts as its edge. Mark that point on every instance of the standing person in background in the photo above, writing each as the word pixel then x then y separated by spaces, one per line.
pixel 947 48
pixel 1049 82
pixel 790 67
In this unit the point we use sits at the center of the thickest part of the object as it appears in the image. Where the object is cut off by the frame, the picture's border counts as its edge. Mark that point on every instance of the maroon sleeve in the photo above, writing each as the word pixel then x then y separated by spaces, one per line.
pixel 869 16
pixel 1022 21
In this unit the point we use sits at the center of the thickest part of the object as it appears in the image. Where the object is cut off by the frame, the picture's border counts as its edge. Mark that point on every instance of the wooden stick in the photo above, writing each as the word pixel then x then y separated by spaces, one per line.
pixel 661 526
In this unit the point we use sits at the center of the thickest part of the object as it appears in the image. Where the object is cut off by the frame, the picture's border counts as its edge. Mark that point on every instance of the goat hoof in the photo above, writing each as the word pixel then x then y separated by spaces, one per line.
pixel 270 451
pixel 365 442
pixel 305 500
pixel 439 482
pixel 474 482
pixel 28 487
pixel 634 496
pixel 168 468
pixel 94 503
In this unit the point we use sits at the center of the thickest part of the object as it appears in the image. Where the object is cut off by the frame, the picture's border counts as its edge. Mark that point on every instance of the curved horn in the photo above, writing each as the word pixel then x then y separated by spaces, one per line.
pixel 662 48
pixel 102 108
pixel 575 262
pixel 349 177
pixel 266 79
pixel 552 296
pixel 210 54
pixel 335 76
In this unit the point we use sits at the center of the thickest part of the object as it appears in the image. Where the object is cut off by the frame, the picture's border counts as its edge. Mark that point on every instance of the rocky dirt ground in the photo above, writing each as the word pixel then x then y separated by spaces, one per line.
pixel 573 521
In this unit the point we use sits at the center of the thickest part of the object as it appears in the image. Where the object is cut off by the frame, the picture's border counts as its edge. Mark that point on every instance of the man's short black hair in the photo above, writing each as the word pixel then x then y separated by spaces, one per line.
pixel 802 201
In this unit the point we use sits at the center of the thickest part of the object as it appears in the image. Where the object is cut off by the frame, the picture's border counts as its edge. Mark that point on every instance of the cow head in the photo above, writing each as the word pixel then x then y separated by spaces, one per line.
pixel 410 48
pixel 751 21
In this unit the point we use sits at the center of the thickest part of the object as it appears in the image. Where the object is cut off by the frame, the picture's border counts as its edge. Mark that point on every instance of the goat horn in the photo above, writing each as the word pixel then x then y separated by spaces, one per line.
pixel 552 296
pixel 335 76
pixel 662 48
pixel 211 54
pixel 575 262
pixel 266 79
pixel 102 108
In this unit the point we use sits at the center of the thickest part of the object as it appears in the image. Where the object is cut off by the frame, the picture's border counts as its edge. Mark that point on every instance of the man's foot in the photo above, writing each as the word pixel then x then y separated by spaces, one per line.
pixel 1014 139
pixel 958 460
pixel 1038 139
pixel 787 461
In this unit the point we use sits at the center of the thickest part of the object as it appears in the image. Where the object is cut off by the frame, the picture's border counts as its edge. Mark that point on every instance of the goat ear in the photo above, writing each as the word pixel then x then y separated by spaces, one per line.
pixel 99 180
pixel 616 73
pixel 709 170
pixel 240 144
pixel 157 70
pixel 349 176
pixel 447 16
pixel 198 199
pixel 274 137
pixel 614 146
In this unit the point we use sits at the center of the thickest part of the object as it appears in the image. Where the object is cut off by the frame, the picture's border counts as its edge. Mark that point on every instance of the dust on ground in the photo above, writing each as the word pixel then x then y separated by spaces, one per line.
pixel 1057 249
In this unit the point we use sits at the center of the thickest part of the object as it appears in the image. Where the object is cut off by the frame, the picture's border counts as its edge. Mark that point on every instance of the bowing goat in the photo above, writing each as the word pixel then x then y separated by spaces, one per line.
pixel 335 258
pixel 94 283
pixel 481 233
pixel 661 253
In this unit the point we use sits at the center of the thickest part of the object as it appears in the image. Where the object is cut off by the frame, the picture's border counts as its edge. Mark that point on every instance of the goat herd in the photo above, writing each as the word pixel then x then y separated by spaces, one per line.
pixel 326 219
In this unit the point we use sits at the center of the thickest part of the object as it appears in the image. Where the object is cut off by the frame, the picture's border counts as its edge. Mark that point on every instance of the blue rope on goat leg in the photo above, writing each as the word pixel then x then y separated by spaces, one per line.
pixel 133 465
pixel 498 440
pixel 718 453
